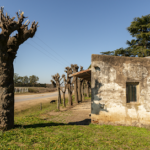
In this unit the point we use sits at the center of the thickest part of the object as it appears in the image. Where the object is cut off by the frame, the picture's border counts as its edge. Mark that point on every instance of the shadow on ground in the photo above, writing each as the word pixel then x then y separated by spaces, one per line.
pixel 83 122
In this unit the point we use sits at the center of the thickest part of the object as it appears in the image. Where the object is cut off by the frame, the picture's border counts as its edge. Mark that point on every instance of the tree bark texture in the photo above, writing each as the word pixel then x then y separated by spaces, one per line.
pixel 60 96
pixel 75 90
pixel 79 90
pixel 82 87
pixel 64 99
pixel 58 100
pixel 69 97
pixel 87 92
pixel 6 92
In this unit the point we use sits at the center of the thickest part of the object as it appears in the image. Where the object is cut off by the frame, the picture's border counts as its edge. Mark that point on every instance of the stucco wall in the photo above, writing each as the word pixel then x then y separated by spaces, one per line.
pixel 108 90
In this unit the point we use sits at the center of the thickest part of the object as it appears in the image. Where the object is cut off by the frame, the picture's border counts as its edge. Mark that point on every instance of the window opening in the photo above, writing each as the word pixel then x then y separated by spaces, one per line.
pixel 97 68
pixel 132 91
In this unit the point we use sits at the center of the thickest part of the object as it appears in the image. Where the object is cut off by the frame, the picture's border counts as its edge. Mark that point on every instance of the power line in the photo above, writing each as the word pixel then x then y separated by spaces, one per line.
pixel 44 53
pixel 44 49
pixel 52 49
pixel 48 46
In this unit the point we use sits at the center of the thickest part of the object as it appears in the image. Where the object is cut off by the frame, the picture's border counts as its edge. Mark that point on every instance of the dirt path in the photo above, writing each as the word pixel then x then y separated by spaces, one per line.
pixel 19 106
pixel 78 114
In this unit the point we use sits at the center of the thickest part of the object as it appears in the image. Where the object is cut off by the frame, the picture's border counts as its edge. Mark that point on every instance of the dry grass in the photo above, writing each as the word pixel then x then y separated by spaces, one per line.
pixel 37 90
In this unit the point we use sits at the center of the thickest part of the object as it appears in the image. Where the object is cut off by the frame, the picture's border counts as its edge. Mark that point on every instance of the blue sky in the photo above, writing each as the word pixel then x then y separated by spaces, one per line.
pixel 70 31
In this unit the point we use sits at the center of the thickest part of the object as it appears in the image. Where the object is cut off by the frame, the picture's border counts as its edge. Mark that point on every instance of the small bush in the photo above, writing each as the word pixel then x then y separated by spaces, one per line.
pixel 33 90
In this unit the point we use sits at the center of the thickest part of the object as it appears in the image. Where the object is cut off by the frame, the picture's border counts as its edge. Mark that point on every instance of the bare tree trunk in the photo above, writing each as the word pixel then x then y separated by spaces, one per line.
pixel 79 90
pixel 6 92
pixel 82 91
pixel 87 91
pixel 70 98
pixel 60 96
pixel 75 90
pixel 58 100
pixel 64 99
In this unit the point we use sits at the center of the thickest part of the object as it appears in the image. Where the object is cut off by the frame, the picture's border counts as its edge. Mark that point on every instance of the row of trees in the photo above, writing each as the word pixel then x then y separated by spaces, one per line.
pixel 140 46
pixel 76 84
pixel 25 79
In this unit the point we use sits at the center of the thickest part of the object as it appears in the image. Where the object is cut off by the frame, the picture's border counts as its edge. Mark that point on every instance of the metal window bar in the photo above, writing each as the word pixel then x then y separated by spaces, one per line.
pixel 131 92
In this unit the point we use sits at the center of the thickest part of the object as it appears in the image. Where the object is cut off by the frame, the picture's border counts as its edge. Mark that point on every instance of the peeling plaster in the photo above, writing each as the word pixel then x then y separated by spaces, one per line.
pixel 134 71
pixel 109 92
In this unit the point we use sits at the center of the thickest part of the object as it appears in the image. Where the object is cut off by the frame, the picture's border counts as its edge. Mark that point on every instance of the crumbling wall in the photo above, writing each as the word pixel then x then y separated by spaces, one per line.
pixel 108 90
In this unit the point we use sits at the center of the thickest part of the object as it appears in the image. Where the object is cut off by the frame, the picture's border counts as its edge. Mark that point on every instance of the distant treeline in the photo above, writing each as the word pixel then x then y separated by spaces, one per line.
pixel 31 81
pixel 34 85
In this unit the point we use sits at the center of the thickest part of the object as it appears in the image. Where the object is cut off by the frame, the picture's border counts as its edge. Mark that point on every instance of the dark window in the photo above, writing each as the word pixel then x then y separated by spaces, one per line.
pixel 97 68
pixel 131 91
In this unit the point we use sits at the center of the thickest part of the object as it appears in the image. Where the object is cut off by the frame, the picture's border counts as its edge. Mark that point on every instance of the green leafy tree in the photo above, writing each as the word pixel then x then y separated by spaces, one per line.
pixel 140 46
pixel 33 79
pixel 25 80
pixel 20 79
pixel 140 29
pixel 89 67
pixel 16 76
pixel 108 53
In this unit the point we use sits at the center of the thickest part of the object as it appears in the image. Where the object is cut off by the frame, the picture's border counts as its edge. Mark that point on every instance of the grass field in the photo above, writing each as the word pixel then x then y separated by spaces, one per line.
pixel 31 132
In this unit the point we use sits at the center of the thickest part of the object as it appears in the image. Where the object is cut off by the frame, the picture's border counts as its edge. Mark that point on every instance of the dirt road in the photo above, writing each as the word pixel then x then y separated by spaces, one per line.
pixel 23 102
pixel 78 114
pixel 19 98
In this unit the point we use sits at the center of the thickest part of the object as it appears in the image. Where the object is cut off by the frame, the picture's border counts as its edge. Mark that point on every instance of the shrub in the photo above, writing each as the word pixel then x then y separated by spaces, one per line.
pixel 33 90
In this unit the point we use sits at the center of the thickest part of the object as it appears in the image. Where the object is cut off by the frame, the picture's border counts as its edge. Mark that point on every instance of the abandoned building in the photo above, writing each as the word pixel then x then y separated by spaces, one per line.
pixel 120 90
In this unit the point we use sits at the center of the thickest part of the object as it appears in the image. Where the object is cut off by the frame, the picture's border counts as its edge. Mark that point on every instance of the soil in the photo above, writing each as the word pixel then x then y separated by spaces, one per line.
pixel 78 114
pixel 19 106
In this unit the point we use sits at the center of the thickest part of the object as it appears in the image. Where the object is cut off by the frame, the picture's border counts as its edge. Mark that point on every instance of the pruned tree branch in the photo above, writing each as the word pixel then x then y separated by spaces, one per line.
pixel 8 25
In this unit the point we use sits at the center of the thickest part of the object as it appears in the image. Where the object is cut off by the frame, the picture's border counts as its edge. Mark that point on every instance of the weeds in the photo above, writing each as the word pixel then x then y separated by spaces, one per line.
pixel 32 132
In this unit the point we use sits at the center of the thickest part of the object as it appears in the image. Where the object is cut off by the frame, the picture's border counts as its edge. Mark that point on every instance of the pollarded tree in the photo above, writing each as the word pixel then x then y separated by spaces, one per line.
pixel 64 89
pixel 69 85
pixel 8 49
pixel 80 86
pixel 87 85
pixel 75 69
pixel 56 81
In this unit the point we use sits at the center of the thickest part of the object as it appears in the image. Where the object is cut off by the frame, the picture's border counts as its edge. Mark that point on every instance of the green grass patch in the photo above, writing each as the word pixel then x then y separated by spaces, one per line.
pixel 33 133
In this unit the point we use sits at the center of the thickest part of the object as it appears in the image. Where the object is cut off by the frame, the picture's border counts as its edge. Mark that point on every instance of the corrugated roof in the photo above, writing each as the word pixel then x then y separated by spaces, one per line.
pixel 85 74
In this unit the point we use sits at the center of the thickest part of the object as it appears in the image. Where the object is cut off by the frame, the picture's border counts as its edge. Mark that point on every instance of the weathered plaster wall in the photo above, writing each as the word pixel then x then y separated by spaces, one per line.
pixel 108 89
